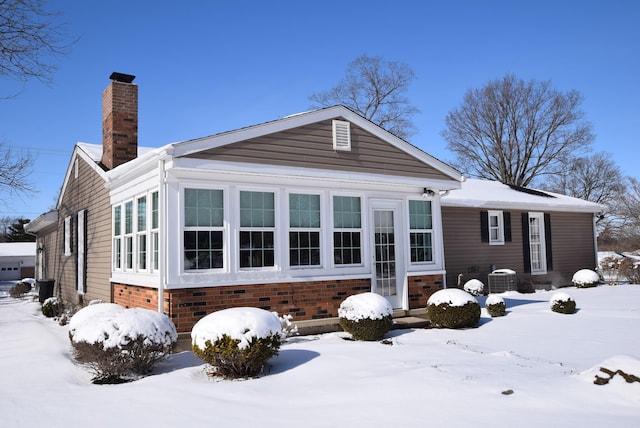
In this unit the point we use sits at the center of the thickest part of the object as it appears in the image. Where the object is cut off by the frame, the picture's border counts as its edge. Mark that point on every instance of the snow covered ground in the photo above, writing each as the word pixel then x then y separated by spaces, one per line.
pixel 530 368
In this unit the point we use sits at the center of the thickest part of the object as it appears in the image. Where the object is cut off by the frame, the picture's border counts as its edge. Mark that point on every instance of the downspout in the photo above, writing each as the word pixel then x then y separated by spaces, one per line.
pixel 595 239
pixel 162 233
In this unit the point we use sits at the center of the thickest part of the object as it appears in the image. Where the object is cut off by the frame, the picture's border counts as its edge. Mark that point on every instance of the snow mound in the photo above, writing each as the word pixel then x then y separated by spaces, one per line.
pixel 474 287
pixel 452 296
pixel 29 281
pixel 365 306
pixel 559 296
pixel 494 299
pixel 242 324
pixel 505 271
pixel 585 276
pixel 114 326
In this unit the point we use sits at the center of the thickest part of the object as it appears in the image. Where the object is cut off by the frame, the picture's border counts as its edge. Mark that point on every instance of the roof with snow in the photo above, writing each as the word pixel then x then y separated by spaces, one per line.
pixel 489 194
pixel 17 249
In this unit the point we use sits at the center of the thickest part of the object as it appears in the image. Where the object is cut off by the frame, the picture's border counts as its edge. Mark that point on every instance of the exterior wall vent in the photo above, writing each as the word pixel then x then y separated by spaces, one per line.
pixel 341 135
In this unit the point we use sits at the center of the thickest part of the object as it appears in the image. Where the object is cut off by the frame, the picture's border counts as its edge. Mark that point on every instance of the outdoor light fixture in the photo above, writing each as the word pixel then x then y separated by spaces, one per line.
pixel 427 192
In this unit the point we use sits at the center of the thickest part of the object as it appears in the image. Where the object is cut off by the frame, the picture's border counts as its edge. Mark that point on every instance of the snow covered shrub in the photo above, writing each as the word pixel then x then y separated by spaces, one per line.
pixel 237 342
pixel 287 328
pixel 366 316
pixel 117 344
pixel 453 308
pixel 495 305
pixel 20 289
pixel 630 270
pixel 562 303
pixel 585 278
pixel 52 307
pixel 475 287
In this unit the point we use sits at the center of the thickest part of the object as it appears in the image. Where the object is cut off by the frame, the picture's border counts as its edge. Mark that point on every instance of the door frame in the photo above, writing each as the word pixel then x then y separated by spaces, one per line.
pixel 399 300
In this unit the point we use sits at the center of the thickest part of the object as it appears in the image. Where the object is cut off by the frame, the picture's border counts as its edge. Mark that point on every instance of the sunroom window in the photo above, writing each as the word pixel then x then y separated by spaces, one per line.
pixel 257 229
pixel 304 230
pixel 347 230
pixel 421 231
pixel 203 229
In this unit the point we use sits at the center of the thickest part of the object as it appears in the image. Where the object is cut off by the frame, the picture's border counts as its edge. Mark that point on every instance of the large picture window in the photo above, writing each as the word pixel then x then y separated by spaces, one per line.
pixel 257 229
pixel 304 230
pixel 347 230
pixel 421 231
pixel 203 229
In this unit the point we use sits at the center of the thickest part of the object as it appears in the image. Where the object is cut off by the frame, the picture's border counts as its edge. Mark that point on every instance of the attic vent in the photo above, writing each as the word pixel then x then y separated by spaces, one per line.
pixel 341 135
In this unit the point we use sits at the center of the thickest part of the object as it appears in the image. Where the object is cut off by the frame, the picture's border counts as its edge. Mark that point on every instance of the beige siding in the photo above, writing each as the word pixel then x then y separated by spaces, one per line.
pixel 311 146
pixel 86 192
pixel 572 246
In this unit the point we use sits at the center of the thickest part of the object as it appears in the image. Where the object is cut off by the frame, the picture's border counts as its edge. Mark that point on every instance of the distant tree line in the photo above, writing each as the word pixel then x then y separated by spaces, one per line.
pixel 522 133
pixel 12 230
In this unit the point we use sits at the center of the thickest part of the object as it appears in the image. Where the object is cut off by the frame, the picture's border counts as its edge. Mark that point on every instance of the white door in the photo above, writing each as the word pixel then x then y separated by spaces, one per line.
pixel 388 272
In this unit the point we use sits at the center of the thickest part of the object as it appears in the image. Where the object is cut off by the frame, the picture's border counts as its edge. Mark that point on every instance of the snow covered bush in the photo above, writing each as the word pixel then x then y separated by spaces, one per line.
pixel 20 289
pixel 118 344
pixel 562 303
pixel 52 307
pixel 453 308
pixel 630 270
pixel 475 287
pixel 237 342
pixel 366 316
pixel 495 305
pixel 585 278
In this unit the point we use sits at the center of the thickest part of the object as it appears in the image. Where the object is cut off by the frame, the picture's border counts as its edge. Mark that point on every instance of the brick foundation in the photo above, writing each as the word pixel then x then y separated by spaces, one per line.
pixel 303 300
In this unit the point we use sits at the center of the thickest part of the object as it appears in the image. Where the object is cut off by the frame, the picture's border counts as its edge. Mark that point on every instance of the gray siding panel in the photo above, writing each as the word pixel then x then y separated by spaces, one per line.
pixel 572 244
pixel 311 146
pixel 87 192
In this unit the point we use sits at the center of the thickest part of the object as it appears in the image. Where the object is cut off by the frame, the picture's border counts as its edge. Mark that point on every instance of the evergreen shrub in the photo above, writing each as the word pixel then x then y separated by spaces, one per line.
pixel 366 316
pixel 237 342
pixel 453 308
pixel 495 306
pixel 562 303
pixel 52 307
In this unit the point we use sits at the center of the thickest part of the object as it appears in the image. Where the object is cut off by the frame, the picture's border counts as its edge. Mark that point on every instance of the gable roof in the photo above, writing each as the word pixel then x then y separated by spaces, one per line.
pixel 191 147
pixel 489 194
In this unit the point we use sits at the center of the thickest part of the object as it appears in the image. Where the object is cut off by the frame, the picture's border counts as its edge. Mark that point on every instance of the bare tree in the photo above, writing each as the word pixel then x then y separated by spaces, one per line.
pixel 15 169
pixel 515 131
pixel 376 89
pixel 30 37
pixel 595 178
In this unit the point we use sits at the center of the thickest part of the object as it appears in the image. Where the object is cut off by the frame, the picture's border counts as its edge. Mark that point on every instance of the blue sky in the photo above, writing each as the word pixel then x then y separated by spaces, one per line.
pixel 204 67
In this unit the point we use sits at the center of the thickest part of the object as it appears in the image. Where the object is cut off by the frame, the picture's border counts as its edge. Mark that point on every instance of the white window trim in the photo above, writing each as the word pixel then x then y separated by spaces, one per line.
pixel 275 229
pixel 287 220
pixel 500 227
pixel 81 263
pixel 223 229
pixel 429 231
pixel 67 236
pixel 543 249
pixel 363 240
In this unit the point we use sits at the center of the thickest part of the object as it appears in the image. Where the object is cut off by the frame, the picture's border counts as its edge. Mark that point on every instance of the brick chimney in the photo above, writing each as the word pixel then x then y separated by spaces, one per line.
pixel 119 121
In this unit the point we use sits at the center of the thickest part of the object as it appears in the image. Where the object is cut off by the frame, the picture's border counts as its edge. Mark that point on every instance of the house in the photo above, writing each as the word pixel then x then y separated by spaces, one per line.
pixel 292 215
pixel 544 237
pixel 17 260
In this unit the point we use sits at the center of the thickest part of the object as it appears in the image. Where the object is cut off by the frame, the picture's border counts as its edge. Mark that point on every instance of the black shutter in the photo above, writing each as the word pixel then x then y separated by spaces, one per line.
pixel 484 226
pixel 547 240
pixel 507 226
pixel 526 251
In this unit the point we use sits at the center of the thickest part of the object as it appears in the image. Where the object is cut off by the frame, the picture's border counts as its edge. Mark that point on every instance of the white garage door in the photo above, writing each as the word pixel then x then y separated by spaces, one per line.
pixel 9 271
